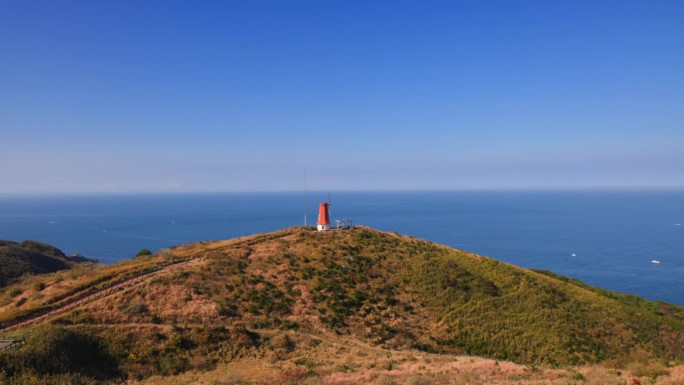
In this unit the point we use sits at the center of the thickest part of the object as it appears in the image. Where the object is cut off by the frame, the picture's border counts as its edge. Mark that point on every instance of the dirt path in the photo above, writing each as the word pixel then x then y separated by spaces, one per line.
pixel 91 297
pixel 39 318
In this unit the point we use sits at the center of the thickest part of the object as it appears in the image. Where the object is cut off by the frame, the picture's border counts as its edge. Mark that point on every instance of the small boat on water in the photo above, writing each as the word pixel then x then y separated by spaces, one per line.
pixel 655 261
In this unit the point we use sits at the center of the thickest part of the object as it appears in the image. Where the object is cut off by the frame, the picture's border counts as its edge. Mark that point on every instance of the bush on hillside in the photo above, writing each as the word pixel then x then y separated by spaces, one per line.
pixel 143 253
pixel 52 349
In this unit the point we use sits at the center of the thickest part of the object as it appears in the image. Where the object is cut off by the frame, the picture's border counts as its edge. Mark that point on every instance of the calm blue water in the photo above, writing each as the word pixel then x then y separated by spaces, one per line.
pixel 614 235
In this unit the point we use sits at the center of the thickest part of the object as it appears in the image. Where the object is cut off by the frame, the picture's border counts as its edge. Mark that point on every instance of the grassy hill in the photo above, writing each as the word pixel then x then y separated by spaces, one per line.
pixel 283 299
pixel 31 257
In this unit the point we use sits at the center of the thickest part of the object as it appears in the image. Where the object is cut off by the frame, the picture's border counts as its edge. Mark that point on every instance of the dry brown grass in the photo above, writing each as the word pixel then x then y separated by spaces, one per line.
pixel 334 360
pixel 66 285
pixel 262 270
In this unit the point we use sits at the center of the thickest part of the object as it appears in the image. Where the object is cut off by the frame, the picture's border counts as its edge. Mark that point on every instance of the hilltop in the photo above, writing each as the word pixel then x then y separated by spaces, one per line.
pixel 346 303
pixel 32 257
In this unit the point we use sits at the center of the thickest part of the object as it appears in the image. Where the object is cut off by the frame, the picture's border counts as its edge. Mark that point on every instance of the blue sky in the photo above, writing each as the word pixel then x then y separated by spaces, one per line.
pixel 179 96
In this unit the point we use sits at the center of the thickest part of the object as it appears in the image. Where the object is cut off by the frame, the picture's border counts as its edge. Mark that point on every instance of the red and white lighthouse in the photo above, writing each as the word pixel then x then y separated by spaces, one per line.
pixel 323 217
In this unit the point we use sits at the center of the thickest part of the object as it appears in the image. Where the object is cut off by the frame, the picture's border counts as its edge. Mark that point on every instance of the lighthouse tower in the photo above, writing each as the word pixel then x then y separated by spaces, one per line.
pixel 323 217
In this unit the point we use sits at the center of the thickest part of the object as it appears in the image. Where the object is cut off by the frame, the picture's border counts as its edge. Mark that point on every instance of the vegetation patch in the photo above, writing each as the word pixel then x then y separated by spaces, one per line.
pixel 280 298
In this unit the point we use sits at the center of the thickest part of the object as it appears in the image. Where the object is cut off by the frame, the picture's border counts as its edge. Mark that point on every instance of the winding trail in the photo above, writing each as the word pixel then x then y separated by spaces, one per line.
pixel 132 281
pixel 98 294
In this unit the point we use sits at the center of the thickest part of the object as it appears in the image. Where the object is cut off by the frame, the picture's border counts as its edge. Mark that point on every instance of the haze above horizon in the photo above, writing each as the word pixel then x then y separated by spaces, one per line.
pixel 172 96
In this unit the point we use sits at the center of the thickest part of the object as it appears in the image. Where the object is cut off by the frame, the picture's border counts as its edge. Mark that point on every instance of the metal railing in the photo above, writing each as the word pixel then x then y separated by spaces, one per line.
pixel 9 342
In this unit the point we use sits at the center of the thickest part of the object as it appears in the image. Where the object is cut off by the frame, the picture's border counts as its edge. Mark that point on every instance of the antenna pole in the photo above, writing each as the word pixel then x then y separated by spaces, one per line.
pixel 329 198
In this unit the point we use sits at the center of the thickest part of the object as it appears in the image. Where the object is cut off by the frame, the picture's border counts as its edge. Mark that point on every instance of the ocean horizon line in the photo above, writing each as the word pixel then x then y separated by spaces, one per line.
pixel 345 191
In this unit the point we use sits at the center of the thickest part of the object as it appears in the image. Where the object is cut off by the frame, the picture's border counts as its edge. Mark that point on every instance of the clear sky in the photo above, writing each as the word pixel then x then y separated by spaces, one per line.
pixel 178 96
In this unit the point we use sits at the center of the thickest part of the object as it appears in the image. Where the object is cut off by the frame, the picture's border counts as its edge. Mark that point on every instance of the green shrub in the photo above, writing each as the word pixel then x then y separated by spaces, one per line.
pixel 647 369
pixel 283 341
pixel 52 349
pixel 172 364
pixel 143 253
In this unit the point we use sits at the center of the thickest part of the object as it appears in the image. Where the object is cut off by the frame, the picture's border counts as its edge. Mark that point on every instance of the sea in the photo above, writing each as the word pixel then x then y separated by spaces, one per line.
pixel 606 239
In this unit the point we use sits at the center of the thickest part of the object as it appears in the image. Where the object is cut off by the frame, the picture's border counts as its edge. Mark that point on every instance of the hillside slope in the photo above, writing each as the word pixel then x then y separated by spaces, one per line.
pixel 31 257
pixel 280 291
